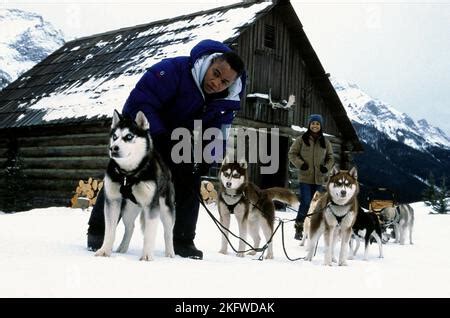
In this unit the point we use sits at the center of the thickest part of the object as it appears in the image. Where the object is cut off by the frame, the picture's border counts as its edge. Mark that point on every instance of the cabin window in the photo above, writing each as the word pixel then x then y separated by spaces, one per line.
pixel 269 36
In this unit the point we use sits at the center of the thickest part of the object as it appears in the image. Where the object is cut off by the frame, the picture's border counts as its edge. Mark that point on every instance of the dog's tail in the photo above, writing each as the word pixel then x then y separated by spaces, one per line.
pixel 283 195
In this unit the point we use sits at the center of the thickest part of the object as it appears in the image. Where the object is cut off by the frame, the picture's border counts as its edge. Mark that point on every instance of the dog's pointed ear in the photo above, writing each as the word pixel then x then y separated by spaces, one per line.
pixel 316 196
pixel 354 173
pixel 116 118
pixel 243 163
pixel 142 121
pixel 226 160
pixel 334 171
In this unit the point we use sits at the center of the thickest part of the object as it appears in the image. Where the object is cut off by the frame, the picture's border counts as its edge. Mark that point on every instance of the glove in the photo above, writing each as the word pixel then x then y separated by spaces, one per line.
pixel 323 169
pixel 304 166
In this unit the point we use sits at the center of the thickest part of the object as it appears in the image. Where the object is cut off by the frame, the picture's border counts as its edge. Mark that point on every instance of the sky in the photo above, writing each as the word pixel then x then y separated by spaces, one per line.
pixel 396 51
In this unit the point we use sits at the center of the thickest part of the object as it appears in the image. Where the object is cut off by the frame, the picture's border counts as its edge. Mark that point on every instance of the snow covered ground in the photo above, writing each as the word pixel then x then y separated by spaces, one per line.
pixel 43 254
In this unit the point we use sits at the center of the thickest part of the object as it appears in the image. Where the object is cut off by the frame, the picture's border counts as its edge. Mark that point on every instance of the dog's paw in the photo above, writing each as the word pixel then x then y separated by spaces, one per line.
pixel 121 250
pixel 240 254
pixel 334 260
pixel 170 254
pixel 343 263
pixel 308 258
pixel 327 263
pixel 252 253
pixel 269 256
pixel 350 257
pixel 146 257
pixel 224 252
pixel 103 252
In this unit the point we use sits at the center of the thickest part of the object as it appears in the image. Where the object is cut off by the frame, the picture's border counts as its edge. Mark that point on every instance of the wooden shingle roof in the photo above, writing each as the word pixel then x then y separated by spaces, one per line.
pixel 90 77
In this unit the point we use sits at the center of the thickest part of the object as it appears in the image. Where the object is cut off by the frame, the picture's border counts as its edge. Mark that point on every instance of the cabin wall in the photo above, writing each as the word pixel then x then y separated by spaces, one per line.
pixel 287 174
pixel 48 162
pixel 282 70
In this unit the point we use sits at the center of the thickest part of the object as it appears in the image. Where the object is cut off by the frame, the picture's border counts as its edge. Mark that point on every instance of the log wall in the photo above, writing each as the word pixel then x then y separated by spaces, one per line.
pixel 52 160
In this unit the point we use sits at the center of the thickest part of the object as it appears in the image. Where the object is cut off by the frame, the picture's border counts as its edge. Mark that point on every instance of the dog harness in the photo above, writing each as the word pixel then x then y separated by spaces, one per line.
pixel 236 197
pixel 126 183
pixel 126 191
pixel 231 207
pixel 338 217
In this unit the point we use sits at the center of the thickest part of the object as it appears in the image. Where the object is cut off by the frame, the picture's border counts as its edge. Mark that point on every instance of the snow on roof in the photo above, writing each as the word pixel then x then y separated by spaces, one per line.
pixel 103 69
pixel 258 95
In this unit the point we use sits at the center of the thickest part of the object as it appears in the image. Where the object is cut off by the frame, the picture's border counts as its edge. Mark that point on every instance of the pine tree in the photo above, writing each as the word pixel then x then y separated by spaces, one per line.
pixel 430 193
pixel 442 199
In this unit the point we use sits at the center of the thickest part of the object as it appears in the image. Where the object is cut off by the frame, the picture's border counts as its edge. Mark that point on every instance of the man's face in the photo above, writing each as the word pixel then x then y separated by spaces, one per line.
pixel 218 77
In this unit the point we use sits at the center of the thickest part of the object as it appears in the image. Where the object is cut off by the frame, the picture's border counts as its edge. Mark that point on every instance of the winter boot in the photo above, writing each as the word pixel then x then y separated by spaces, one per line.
pixel 186 248
pixel 298 230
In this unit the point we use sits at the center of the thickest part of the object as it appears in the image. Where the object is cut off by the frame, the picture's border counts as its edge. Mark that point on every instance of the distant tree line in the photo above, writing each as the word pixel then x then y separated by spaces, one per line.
pixel 438 197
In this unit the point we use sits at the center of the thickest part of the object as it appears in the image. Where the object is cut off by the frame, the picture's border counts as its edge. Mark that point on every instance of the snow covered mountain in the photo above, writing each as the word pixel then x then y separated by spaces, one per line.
pixel 25 39
pixel 399 153
pixel 365 110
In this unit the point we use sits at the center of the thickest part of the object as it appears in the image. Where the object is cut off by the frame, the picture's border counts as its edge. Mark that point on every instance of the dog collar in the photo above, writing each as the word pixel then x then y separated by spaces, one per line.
pixel 233 195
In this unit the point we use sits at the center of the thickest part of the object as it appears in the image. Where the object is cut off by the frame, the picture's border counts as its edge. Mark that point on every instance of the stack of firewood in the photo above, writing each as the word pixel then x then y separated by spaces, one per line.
pixel 209 194
pixel 86 193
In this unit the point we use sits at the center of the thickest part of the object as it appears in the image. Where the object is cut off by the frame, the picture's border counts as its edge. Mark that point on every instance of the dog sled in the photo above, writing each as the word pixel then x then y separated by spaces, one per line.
pixel 382 202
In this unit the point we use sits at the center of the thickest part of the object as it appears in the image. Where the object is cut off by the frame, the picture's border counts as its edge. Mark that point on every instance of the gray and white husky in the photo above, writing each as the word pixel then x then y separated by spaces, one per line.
pixel 136 181
pixel 406 223
pixel 335 213
pixel 402 218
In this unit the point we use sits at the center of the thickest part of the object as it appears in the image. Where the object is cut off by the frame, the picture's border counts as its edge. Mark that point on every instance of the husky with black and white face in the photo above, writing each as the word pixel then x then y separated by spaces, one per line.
pixel 136 182
pixel 252 206
pixel 335 213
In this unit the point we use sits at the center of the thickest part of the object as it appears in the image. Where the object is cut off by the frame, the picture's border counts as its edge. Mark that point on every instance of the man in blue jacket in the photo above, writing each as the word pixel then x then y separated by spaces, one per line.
pixel 208 86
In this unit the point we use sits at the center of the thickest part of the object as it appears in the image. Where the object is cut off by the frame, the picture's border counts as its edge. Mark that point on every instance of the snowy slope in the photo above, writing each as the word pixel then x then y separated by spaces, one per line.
pixel 43 254
pixel 368 111
pixel 25 39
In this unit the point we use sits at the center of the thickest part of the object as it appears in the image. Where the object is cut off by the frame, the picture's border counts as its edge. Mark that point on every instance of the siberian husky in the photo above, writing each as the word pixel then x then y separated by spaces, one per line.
pixel 306 225
pixel 405 223
pixel 366 225
pixel 136 181
pixel 402 219
pixel 252 206
pixel 336 213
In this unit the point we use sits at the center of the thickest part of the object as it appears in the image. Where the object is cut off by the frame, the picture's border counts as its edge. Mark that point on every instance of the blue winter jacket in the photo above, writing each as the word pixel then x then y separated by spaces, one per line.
pixel 170 97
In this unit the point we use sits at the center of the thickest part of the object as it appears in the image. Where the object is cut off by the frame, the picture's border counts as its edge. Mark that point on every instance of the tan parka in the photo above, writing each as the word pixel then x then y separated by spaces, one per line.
pixel 314 155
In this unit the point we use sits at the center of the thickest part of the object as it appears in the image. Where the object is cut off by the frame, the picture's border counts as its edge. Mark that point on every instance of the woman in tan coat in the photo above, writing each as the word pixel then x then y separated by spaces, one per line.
pixel 313 155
